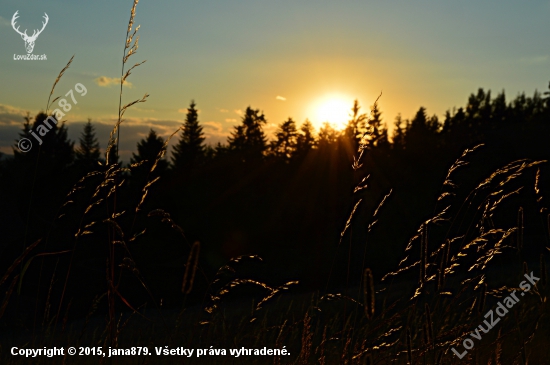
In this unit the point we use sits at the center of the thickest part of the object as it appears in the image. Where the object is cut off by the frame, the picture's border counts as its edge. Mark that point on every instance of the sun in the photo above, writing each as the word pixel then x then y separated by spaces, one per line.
pixel 335 110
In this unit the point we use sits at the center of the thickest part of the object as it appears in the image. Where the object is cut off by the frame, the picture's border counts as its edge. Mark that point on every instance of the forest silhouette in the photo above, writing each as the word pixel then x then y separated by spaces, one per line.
pixel 386 242
pixel 286 199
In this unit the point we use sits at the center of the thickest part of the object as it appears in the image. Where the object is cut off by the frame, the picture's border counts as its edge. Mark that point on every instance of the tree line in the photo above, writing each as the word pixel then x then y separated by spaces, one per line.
pixel 286 198
pixel 482 117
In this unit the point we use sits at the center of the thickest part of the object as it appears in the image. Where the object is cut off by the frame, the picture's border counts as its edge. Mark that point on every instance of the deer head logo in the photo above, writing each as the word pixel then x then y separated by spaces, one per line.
pixel 29 41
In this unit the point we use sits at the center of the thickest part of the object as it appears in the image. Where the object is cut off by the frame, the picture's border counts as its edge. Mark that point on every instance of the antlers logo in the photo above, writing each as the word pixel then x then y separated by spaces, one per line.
pixel 29 41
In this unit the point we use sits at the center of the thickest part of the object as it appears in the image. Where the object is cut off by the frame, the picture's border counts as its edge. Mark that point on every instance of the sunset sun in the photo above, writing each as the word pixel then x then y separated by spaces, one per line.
pixel 335 110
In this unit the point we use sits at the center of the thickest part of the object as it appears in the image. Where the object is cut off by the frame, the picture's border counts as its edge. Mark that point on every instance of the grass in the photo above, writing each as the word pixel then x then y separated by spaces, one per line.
pixel 432 301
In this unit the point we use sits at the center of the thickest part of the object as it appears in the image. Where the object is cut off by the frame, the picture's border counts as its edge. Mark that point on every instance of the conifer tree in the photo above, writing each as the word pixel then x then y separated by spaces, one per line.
pixel 190 149
pixel 248 141
pixel 327 135
pixel 87 153
pixel 356 126
pixel 376 131
pixel 49 140
pixel 306 138
pixel 148 150
pixel 284 147
pixel 25 133
pixel 422 133
pixel 398 136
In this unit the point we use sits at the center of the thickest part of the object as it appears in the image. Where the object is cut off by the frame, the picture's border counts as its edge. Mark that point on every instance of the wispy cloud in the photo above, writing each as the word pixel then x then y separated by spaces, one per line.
pixel 223 110
pixel 106 81
pixel 164 127
pixel 10 115
pixel 230 120
pixel 136 128
pixel 213 128
pixel 279 97
pixel 535 60
pixel 238 111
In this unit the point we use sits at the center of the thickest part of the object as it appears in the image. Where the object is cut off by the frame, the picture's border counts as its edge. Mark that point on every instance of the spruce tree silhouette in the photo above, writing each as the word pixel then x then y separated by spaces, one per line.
pixel 356 126
pixel 422 132
pixel 327 137
pixel 248 141
pixel 190 149
pixel 284 146
pixel 25 133
pixel 305 140
pixel 478 115
pixel 40 178
pixel 55 152
pixel 398 137
pixel 148 150
pixel 455 131
pixel 87 153
pixel 376 130
pixel 499 110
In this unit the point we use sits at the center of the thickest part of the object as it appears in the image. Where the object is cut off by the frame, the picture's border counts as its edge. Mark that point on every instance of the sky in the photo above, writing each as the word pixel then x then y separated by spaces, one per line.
pixel 300 59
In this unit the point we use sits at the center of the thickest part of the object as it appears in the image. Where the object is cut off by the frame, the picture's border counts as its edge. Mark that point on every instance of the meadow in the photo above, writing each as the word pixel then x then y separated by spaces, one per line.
pixel 341 247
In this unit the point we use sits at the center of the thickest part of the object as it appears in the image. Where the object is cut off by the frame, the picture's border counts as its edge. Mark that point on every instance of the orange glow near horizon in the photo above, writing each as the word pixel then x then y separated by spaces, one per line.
pixel 334 109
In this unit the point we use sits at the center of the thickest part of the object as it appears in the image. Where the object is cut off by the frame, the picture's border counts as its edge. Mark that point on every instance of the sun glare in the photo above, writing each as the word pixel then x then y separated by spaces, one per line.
pixel 334 110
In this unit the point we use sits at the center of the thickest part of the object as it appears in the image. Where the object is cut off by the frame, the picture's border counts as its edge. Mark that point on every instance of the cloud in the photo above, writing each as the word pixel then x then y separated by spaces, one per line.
pixel 535 60
pixel 282 98
pixel 106 81
pixel 230 120
pixel 10 115
pixel 11 124
pixel 224 110
pixel 238 111
pixel 213 128
pixel 132 130
pixel 214 133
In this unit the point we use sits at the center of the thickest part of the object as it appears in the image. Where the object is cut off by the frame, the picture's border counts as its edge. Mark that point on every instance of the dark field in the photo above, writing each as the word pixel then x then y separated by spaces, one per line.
pixel 357 246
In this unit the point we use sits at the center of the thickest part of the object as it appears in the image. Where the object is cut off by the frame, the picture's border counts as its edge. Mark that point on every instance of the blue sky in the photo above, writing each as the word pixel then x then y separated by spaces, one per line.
pixel 229 54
